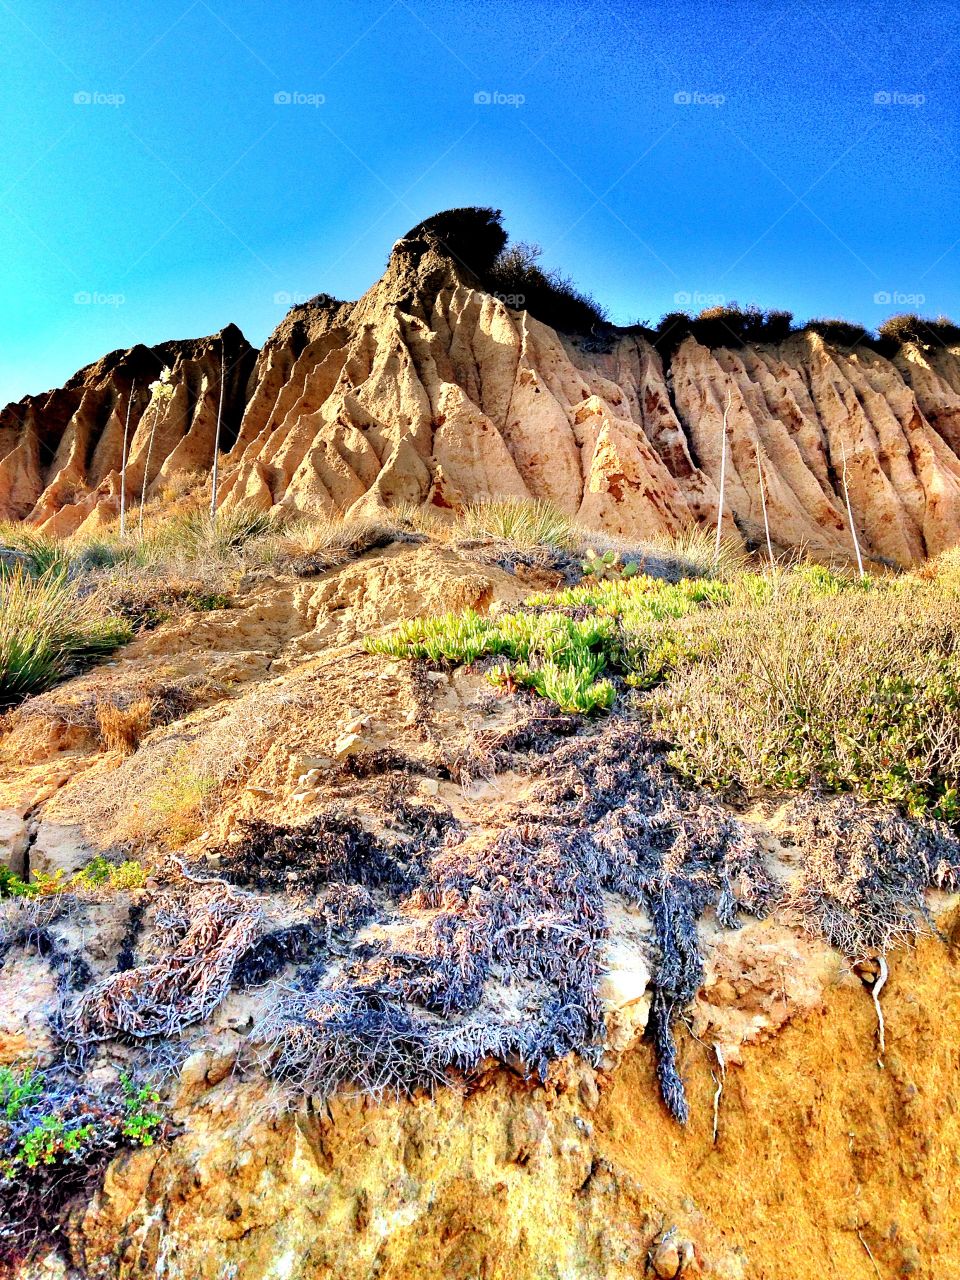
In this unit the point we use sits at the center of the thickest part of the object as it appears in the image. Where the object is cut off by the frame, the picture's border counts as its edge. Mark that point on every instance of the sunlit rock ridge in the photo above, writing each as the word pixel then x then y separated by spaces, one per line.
pixel 431 390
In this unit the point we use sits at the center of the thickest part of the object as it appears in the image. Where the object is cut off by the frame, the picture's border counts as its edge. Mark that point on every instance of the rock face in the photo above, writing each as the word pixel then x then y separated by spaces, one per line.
pixel 61 453
pixel 429 390
pixel 584 1178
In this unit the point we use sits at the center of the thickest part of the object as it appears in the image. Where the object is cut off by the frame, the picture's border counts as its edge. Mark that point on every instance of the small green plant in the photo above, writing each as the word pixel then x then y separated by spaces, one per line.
pixel 608 564
pixel 97 878
pixel 18 1089
pixel 141 1119
pixel 11 886
pixel 573 686
pixel 46 1143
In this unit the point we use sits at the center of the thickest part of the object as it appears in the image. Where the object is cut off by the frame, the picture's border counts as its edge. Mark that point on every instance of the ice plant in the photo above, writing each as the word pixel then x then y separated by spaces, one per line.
pixel 160 391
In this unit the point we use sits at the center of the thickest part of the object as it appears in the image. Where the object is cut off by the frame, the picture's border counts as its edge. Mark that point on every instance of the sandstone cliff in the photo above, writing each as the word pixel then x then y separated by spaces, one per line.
pixel 431 390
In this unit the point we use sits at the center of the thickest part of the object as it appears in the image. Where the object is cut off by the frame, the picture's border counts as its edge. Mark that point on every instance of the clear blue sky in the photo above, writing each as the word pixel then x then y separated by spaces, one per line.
pixel 199 200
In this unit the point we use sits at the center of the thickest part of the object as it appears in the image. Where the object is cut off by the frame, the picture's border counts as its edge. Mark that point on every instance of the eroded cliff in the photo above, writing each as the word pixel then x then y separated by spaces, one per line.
pixel 430 390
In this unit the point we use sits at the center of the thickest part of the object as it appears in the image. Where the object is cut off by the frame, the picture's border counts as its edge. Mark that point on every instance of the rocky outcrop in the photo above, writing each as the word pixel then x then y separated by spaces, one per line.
pixel 61 453
pixel 431 391
pixel 585 1177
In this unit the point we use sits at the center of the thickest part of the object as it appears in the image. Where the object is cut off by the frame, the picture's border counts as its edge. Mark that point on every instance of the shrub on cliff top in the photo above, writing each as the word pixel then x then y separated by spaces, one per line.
pixel 517 278
pixel 910 327
pixel 472 236
pixel 475 238
pixel 724 326
pixel 841 333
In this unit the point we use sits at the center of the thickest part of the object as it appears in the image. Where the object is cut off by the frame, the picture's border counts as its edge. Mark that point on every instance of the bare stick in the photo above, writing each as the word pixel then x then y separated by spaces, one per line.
pixel 723 473
pixel 159 390
pixel 123 461
pixel 869 1254
pixel 146 469
pixel 216 439
pixel 846 494
pixel 763 503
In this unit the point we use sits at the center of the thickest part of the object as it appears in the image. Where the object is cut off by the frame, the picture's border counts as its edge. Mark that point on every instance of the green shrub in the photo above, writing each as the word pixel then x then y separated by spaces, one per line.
pixel 42 555
pixel 11 886
pixel 855 688
pixel 57 1135
pixel 560 657
pixel 46 629
pixel 18 1089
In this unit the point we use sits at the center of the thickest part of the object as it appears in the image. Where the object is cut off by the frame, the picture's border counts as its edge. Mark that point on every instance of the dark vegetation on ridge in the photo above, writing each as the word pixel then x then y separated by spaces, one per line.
pixel 476 239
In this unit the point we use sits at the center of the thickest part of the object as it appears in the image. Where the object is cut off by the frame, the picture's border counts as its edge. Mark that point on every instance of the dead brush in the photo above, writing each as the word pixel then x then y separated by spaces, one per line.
pixel 312 546
pixel 185 984
pixel 865 870
pixel 522 909
pixel 120 728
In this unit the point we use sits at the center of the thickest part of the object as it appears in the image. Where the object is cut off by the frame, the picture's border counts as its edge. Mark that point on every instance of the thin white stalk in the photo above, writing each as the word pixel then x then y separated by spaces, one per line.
pixel 123 461
pixel 763 503
pixel 216 439
pixel 846 494
pixel 716 1097
pixel 875 992
pixel 146 469
pixel 723 475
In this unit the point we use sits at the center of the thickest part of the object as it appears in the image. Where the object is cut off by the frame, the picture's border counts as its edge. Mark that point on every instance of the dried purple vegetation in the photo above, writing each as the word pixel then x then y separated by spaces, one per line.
pixel 525 910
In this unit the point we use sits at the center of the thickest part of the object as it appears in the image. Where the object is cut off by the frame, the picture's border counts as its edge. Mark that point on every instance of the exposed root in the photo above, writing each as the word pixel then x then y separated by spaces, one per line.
pixel 875 990
pixel 719 1082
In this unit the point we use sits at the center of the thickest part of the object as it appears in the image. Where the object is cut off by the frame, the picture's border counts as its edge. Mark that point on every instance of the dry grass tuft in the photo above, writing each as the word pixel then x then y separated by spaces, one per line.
pixel 120 728
pixel 521 523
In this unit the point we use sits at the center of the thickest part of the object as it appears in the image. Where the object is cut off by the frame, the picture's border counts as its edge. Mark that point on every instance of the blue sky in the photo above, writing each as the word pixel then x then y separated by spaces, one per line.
pixel 802 155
